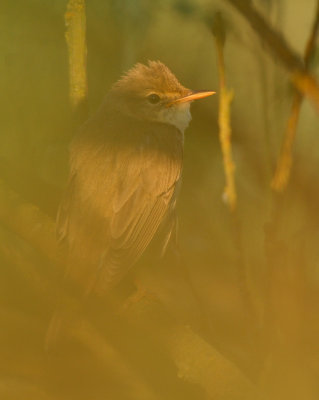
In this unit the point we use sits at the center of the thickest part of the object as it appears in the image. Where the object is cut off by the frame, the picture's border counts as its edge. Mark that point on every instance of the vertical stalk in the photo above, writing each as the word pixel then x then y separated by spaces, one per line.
pixel 225 99
pixel 230 195
pixel 75 21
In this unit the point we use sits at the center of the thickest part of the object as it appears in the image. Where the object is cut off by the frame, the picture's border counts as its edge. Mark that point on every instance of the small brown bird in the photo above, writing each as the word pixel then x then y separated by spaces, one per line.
pixel 126 166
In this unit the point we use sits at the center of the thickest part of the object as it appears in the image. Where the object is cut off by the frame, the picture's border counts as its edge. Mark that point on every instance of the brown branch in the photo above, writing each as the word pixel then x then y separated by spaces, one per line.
pixel 197 362
pixel 310 46
pixel 200 363
pixel 280 51
pixel 282 173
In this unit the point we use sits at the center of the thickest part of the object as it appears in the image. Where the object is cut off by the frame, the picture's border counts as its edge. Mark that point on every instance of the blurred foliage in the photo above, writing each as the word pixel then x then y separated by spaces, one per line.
pixel 193 335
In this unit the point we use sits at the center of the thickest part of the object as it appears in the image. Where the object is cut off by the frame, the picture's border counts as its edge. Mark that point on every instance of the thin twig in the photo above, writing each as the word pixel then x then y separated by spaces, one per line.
pixel 283 169
pixel 280 50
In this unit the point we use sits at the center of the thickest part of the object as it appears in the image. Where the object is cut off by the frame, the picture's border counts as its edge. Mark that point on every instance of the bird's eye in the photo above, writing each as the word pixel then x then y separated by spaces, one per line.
pixel 153 98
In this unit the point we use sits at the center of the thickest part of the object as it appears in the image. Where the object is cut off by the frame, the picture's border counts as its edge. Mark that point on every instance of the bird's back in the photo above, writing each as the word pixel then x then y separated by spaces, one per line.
pixel 122 186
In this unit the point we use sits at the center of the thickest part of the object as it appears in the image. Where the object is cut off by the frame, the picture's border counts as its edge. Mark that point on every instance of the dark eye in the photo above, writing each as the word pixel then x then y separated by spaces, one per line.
pixel 153 98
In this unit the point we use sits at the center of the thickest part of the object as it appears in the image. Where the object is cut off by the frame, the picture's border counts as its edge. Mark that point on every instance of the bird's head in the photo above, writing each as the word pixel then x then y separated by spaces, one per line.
pixel 153 93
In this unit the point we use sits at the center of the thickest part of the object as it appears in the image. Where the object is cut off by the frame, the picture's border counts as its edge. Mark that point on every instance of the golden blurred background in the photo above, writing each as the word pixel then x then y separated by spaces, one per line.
pixel 238 316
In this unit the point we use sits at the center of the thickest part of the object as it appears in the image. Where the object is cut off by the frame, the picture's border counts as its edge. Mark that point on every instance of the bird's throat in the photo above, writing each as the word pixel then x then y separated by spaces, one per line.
pixel 178 116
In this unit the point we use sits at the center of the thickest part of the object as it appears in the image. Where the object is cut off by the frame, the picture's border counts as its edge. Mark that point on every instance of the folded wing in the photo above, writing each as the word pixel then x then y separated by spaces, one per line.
pixel 120 191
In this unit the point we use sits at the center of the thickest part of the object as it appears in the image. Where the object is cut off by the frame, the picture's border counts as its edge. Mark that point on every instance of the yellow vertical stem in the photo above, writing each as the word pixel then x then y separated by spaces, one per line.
pixel 75 21
pixel 224 120
pixel 225 99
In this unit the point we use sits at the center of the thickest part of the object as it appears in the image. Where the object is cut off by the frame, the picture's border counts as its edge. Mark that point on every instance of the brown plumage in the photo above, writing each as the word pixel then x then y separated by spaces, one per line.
pixel 125 168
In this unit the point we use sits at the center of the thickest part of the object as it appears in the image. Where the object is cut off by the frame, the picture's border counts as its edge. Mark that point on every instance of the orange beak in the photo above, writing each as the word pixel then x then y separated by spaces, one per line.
pixel 194 95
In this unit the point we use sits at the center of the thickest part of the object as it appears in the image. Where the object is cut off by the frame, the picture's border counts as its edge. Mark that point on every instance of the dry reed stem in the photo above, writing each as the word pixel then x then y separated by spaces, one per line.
pixel 225 99
pixel 75 21
pixel 230 194
pixel 284 163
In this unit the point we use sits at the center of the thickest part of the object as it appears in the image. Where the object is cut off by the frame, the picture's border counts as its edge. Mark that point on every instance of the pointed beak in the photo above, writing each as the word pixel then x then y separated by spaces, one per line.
pixel 194 95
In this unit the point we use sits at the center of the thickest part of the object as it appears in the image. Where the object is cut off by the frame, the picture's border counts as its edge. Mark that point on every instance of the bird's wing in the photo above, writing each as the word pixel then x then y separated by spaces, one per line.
pixel 136 218
pixel 121 194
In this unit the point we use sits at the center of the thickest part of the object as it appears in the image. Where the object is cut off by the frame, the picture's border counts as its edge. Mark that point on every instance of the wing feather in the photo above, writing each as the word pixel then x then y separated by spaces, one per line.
pixel 121 191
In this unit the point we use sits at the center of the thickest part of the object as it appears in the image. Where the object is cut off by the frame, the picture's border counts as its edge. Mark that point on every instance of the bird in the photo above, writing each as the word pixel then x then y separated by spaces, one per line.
pixel 125 172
